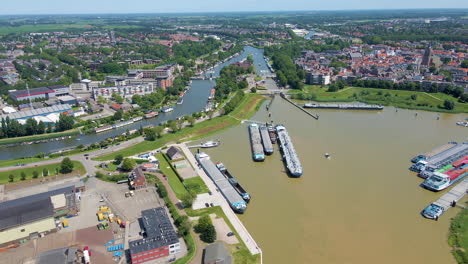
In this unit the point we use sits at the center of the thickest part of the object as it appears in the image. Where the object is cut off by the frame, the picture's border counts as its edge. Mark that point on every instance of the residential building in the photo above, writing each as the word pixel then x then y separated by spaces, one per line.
pixel 317 78
pixel 174 153
pixel 126 91
pixel 138 179
pixel 160 239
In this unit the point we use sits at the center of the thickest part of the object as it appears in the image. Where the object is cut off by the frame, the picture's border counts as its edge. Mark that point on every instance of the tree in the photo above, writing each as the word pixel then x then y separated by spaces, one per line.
pixel 35 174
pixel 253 90
pixel 65 122
pixel 158 130
pixel 206 229
pixel 191 120
pixel 118 159
pixel 101 100
pixel 187 200
pixel 118 115
pixel 414 97
pixel 209 236
pixel 464 64
pixel 11 177
pixel 128 164
pixel 136 99
pixel 449 104
pixel 23 176
pixel 150 134
pixel 119 99
pixel 66 166
pixel 45 172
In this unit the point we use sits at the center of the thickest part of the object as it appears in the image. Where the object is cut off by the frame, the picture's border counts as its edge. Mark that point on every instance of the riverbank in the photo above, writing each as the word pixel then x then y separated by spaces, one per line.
pixel 42 137
pixel 28 172
pixel 247 108
pixel 458 236
pixel 397 98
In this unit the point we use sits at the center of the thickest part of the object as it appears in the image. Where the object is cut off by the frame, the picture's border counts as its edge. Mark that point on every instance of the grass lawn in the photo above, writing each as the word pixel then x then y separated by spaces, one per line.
pixel 6 141
pixel 196 185
pixel 174 182
pixel 13 162
pixel 458 237
pixel 397 98
pixel 112 167
pixel 245 110
pixel 42 28
pixel 78 168
pixel 239 251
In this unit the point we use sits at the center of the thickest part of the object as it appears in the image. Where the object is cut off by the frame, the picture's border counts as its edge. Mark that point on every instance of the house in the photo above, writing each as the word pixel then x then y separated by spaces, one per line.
pixel 138 179
pixel 217 253
pixel 116 107
pixel 174 153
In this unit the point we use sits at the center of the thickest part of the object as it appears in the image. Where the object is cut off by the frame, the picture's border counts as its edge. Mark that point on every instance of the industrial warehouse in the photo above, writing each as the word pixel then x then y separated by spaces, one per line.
pixel 35 216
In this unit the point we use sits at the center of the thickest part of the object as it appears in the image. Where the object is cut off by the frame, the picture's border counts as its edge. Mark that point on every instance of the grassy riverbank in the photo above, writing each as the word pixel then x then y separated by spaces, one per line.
pixel 6 141
pixel 397 98
pixel 458 236
pixel 51 168
pixel 244 110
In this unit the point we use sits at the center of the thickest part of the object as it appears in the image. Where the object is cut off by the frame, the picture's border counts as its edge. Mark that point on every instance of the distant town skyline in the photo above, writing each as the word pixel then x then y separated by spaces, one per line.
pixel 188 6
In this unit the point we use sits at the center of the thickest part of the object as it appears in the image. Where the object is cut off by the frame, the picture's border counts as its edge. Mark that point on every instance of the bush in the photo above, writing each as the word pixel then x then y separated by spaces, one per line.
pixel 66 166
pixel 206 229
pixel 35 174
pixel 449 104
pixel 128 164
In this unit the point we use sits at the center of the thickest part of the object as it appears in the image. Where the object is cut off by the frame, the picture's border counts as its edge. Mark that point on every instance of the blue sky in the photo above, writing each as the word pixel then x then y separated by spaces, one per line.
pixel 170 6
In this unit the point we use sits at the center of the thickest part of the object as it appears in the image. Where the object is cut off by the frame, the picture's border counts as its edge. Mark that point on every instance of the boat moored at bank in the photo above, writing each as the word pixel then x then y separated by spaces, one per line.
pixel 266 140
pixel 225 188
pixel 240 190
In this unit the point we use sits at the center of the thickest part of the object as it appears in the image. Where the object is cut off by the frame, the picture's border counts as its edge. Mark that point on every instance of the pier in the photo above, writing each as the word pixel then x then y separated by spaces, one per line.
pixel 455 194
pixel 299 107
pixel 355 106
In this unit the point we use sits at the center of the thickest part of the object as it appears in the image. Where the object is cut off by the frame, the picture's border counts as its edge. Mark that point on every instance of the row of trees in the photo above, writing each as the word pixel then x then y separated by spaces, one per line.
pixel 206 229
pixel 234 102
pixel 228 81
pixel 287 72
pixel 11 128
pixel 66 166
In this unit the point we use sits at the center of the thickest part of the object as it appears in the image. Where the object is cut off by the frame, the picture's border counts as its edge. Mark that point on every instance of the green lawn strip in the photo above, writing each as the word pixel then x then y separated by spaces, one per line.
pixel 113 178
pixel 196 185
pixel 199 130
pixel 174 182
pixel 242 254
pixel 13 162
pixel 78 168
pixel 6 141
pixel 397 98
pixel 458 236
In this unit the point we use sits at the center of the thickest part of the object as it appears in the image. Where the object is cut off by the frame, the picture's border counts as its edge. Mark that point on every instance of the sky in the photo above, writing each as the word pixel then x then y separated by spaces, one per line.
pixel 188 6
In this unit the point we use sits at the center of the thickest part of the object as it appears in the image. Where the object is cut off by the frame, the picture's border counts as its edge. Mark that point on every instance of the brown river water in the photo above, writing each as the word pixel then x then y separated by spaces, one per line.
pixel 360 206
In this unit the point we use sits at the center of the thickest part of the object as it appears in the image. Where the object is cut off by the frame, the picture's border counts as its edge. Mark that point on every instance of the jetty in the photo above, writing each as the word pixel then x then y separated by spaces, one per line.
pixel 455 194
pixel 349 106
pixel 298 106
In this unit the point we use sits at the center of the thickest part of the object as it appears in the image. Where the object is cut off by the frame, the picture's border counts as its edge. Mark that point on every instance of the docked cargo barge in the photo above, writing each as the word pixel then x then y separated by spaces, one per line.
pixel 256 143
pixel 289 153
pixel 345 106
pixel 241 191
pixel 225 188
pixel 266 140
pixel 272 132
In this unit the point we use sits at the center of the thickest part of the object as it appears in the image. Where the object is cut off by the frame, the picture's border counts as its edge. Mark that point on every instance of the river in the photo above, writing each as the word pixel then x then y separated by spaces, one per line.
pixel 362 205
pixel 194 101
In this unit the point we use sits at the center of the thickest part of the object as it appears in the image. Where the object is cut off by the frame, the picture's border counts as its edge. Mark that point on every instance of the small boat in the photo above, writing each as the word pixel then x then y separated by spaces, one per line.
pixel 327 155
pixel 180 100
pixel 272 132
pixel 167 109
pixel 210 144
pixel 463 124
pixel 433 211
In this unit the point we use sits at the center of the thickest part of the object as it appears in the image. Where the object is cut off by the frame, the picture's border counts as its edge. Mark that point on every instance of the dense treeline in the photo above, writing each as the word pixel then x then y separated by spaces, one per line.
pixel 11 128
pixel 287 72
pixel 193 50
pixel 231 105
pixel 227 82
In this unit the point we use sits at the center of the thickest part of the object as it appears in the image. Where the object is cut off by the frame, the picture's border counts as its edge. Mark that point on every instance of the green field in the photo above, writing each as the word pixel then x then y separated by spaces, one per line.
pixel 458 236
pixel 4 175
pixel 196 185
pixel 174 182
pixel 6 141
pixel 245 110
pixel 13 162
pixel 397 98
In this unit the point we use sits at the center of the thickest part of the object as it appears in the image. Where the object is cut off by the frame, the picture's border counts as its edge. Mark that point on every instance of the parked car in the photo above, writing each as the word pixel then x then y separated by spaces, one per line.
pixel 207 205
pixel 230 234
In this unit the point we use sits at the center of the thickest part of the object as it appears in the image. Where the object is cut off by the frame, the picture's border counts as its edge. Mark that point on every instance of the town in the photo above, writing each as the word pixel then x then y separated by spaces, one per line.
pixel 110 125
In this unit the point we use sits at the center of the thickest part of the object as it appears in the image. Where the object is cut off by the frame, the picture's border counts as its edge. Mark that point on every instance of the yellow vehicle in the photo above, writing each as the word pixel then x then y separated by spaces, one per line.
pixel 118 221
pixel 65 223
pixel 104 208
pixel 100 217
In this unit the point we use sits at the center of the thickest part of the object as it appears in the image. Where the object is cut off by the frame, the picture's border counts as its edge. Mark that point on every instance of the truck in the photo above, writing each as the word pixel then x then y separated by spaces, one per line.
pixel 65 223
pixel 87 255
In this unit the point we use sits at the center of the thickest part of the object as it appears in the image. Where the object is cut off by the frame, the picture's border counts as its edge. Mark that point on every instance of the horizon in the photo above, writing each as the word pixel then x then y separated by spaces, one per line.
pixel 90 7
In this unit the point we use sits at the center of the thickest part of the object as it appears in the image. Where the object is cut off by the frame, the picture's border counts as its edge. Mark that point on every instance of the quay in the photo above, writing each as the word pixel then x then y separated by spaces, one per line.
pixel 236 223
pixel 298 106
pixel 455 194
pixel 355 106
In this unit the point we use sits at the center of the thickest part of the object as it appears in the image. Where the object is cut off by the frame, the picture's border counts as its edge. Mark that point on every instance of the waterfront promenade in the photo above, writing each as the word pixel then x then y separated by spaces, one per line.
pixel 238 226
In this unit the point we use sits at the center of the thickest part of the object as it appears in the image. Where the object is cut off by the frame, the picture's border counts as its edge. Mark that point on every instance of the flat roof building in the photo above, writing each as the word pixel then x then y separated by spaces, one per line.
pixel 64 108
pixel 160 238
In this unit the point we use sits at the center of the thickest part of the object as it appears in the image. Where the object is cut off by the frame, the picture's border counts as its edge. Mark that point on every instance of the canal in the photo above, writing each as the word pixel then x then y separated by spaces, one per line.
pixel 194 101
pixel 362 205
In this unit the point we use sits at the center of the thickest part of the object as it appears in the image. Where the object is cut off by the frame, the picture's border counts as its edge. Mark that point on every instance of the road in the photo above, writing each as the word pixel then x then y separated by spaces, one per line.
pixel 238 226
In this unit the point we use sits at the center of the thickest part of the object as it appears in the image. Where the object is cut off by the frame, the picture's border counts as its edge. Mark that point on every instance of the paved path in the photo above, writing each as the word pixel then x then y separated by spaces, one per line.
pixel 238 226
pixel 433 96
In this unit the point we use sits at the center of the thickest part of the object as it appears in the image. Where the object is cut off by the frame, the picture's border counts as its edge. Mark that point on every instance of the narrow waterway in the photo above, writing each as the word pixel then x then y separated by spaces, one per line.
pixel 362 205
pixel 194 101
